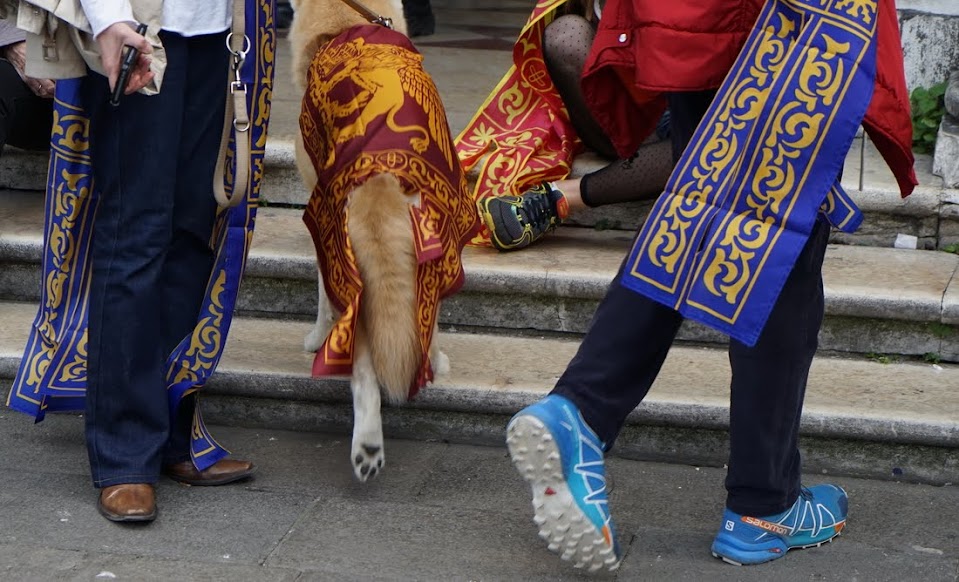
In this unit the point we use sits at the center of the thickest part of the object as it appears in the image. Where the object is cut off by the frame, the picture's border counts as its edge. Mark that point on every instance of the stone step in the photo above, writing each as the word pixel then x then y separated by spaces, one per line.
pixel 878 300
pixel 928 214
pixel 467 61
pixel 861 417
pixel 931 213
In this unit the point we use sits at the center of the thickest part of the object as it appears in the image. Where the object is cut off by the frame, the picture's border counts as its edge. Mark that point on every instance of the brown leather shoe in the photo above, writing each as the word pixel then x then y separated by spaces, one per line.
pixel 220 473
pixel 128 502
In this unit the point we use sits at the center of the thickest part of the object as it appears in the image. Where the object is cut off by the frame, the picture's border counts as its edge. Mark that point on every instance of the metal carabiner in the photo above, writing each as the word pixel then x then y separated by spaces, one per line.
pixel 239 57
pixel 247 45
pixel 383 21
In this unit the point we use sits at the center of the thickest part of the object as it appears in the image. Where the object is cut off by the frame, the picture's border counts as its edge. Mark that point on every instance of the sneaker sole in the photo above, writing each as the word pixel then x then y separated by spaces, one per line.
pixel 816 545
pixel 568 531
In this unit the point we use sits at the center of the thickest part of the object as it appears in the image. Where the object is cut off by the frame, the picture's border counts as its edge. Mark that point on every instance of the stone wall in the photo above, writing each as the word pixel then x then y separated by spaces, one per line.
pixel 930 41
pixel 946 161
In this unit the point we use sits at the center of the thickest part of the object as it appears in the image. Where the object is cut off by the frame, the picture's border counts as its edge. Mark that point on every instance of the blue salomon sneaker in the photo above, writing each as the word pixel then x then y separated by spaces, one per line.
pixel 562 460
pixel 816 518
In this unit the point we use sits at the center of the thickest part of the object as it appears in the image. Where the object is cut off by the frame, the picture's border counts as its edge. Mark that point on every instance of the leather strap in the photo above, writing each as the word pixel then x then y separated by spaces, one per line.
pixel 236 118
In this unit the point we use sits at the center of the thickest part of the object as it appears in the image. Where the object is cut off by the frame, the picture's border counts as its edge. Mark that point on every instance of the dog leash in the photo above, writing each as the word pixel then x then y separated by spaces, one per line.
pixel 236 117
pixel 368 14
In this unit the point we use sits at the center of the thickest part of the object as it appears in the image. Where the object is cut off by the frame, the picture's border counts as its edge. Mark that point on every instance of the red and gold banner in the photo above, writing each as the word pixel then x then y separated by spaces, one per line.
pixel 371 108
pixel 523 125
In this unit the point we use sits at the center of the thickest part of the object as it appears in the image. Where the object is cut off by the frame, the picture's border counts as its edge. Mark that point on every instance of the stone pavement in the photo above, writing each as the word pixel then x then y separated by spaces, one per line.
pixel 438 512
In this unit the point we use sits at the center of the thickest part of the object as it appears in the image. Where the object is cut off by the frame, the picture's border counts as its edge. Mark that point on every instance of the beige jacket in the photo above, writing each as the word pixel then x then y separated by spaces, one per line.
pixel 60 42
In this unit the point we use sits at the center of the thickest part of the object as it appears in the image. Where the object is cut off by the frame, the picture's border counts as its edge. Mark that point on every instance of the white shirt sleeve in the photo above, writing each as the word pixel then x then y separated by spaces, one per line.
pixel 103 13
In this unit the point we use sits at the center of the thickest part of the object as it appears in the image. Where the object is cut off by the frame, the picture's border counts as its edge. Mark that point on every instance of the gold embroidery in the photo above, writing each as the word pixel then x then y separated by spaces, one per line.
pixel 862 10
pixel 669 242
pixel 386 74
pixel 206 343
pixel 797 127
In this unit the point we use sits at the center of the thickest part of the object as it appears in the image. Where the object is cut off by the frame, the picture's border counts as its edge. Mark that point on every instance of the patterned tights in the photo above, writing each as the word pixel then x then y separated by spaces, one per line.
pixel 566 43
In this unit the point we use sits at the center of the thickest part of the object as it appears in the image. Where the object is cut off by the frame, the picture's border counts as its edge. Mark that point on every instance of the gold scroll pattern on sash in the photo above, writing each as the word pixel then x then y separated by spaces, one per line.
pixel 862 11
pixel 670 242
pixel 71 142
pixel 799 127
pixel 775 181
pixel 769 196
pixel 208 337
pixel 205 343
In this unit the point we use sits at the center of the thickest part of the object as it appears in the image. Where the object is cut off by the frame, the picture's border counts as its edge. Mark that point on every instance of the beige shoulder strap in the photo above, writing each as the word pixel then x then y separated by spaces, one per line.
pixel 237 117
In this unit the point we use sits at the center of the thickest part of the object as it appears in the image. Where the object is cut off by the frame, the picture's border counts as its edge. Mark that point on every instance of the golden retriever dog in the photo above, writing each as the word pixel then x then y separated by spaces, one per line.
pixel 389 210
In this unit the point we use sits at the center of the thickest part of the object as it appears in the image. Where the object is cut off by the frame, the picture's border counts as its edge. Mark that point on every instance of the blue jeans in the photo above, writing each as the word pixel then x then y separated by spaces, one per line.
pixel 153 163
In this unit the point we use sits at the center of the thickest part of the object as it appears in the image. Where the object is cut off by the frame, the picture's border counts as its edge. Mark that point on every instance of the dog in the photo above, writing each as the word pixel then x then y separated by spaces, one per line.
pixel 389 211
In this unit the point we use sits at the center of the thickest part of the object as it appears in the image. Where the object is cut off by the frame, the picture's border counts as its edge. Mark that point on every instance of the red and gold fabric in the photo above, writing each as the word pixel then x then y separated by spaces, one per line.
pixel 523 125
pixel 721 241
pixel 371 108
pixel 646 48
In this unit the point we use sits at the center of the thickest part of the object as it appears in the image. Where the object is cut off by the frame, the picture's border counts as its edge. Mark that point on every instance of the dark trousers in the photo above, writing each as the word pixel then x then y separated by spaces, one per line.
pixel 631 334
pixel 153 162
pixel 25 119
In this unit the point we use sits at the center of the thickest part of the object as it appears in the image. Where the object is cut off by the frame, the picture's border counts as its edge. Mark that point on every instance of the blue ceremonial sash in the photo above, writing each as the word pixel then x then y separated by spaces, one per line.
pixel 762 164
pixel 52 375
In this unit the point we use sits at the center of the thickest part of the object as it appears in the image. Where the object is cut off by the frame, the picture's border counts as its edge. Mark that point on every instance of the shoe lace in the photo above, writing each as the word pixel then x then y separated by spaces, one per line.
pixel 538 211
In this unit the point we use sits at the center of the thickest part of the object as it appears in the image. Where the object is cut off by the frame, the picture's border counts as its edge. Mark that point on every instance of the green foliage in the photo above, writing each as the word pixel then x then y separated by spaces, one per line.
pixel 932 357
pixel 953 248
pixel 881 358
pixel 928 107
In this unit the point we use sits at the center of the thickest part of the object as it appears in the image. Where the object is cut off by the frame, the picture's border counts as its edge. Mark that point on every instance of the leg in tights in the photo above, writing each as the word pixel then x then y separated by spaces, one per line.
pixel 566 44
pixel 641 177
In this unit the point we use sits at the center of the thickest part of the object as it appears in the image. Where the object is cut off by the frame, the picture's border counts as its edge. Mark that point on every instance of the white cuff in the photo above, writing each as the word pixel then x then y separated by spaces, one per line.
pixel 102 14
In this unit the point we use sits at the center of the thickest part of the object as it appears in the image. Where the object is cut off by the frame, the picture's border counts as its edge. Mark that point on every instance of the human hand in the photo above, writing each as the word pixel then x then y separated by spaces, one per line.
pixel 40 87
pixel 16 53
pixel 111 42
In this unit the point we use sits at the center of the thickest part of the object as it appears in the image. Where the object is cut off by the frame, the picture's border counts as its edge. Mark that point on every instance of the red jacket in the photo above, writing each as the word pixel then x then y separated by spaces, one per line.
pixel 645 48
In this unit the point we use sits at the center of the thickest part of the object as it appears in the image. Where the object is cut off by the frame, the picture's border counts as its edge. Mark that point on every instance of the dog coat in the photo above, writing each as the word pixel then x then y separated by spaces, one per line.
pixel 371 108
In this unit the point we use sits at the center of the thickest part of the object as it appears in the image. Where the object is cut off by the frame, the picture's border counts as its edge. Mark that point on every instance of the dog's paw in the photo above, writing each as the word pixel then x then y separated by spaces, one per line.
pixel 441 363
pixel 368 460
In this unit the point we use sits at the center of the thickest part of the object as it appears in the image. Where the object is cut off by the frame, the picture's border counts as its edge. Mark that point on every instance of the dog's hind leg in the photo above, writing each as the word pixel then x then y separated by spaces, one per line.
pixel 366 453
pixel 439 360
pixel 324 319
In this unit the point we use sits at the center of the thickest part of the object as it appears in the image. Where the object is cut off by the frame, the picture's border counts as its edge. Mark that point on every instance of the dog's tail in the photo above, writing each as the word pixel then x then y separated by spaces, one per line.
pixel 382 237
